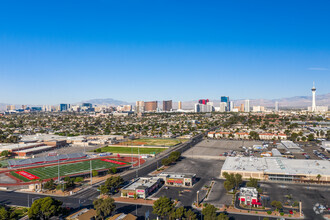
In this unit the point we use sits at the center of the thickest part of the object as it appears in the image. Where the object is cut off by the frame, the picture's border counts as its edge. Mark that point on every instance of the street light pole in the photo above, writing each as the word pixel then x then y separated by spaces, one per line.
pixel 90 166
pixel 58 175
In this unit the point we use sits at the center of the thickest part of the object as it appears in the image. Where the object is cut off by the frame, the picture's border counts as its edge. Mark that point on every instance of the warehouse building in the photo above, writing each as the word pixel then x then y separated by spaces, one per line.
pixel 279 169
pixel 141 188
pixel 290 146
pixel 178 179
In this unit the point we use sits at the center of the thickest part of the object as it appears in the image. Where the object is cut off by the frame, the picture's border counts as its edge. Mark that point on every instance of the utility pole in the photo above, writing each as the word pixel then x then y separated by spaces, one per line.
pixel 139 156
pixel 90 166
pixel 58 169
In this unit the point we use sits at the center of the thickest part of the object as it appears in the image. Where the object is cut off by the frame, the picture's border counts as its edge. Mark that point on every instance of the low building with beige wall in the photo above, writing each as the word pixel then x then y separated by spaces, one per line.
pixel 279 169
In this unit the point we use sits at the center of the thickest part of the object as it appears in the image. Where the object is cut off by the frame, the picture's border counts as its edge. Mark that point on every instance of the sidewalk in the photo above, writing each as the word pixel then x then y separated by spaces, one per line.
pixel 134 201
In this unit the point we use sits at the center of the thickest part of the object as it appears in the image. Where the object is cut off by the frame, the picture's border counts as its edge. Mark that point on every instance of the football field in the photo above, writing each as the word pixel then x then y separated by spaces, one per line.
pixel 68 169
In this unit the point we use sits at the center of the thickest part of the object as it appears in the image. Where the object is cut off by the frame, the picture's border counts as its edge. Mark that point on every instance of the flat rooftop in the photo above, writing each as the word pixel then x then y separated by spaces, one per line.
pixel 142 183
pixel 176 175
pixel 42 137
pixel 12 147
pixel 35 149
pixel 279 165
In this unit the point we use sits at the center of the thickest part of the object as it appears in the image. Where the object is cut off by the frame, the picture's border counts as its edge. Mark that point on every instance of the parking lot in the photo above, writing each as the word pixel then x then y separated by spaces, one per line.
pixel 206 171
pixel 308 194
pixel 214 149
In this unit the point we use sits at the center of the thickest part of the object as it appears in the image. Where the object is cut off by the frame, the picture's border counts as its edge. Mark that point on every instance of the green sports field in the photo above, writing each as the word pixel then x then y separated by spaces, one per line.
pixel 66 169
pixel 154 142
pixel 134 150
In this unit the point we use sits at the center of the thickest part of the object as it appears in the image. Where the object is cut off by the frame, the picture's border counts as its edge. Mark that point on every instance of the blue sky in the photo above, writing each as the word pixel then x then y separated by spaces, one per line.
pixel 67 51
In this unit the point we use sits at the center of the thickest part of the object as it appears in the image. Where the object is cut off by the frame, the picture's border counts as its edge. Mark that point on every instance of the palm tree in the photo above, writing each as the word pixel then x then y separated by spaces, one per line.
pixel 318 177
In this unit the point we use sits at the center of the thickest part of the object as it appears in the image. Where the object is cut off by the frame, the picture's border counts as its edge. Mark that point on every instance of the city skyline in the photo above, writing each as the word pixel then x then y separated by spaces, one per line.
pixel 155 51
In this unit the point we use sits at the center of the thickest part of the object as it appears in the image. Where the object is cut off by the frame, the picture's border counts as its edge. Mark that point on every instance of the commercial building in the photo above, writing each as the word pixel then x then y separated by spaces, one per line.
pixel 289 146
pixel 258 108
pixel 278 169
pixel 63 107
pixel 203 101
pixel 139 107
pixel 249 196
pixel 150 106
pixel 247 105
pixel 224 104
pixel 141 188
pixel 179 105
pixel 10 107
pixel 178 179
pixel 167 105
pixel 204 108
pixel 276 107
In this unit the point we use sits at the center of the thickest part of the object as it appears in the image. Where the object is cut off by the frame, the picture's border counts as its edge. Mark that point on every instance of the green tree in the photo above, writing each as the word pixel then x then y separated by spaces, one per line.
pixel 163 207
pixel 252 183
pixel 5 153
pixel 49 185
pixel 254 135
pixel 166 161
pixel 111 184
pixel 294 136
pixel 190 215
pixel 310 137
pixel 4 214
pixel 276 204
pixel 223 216
pixel 104 207
pixel 318 177
pixel 178 213
pixel 228 185
pixel 112 170
pixel 209 212
pixel 232 180
pixel 45 208
pixel 95 173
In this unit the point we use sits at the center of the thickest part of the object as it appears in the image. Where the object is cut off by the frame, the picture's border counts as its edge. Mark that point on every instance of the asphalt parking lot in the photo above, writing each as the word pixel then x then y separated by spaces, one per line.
pixel 308 194
pixel 211 149
pixel 206 171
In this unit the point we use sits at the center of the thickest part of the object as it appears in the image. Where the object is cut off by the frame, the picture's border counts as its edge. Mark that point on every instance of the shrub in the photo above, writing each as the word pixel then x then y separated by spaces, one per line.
pixel 282 213
pixel 78 179
pixel 269 212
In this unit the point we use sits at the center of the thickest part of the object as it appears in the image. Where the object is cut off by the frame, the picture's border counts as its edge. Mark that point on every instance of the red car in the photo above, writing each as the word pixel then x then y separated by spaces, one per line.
pixel 291 212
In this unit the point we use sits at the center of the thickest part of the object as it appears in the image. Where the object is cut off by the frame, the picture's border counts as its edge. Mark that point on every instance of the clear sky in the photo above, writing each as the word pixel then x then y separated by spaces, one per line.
pixel 67 51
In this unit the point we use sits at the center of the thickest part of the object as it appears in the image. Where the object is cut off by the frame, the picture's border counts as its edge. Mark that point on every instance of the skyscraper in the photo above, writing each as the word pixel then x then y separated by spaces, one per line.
pixel 247 106
pixel 313 101
pixel 225 99
pixel 139 107
pixel 167 105
pixel 63 107
pixel 276 106
pixel 203 101
pixel 231 106
pixel 179 105
pixel 150 106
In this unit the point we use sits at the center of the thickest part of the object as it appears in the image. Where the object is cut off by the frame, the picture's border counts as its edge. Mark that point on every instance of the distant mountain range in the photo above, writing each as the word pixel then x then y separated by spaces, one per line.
pixel 108 101
pixel 292 102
